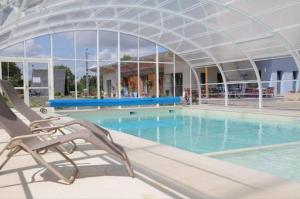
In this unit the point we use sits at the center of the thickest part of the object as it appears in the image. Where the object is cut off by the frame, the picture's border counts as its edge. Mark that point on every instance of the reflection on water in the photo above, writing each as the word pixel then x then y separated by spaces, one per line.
pixel 203 135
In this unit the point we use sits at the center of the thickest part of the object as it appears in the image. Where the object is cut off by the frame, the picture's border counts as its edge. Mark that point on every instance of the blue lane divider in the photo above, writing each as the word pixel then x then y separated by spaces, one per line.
pixel 113 102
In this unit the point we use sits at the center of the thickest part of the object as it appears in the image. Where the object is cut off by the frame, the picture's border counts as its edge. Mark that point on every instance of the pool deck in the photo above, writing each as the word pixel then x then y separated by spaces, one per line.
pixel 262 111
pixel 161 172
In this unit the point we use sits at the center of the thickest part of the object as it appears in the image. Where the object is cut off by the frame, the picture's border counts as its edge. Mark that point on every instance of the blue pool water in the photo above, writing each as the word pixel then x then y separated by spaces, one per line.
pixel 199 134
pixel 209 133
pixel 282 161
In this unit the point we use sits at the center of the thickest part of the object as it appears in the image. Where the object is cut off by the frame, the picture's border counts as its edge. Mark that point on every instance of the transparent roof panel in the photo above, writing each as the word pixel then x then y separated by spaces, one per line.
pixel 257 6
pixel 195 55
pixel 292 35
pixel 226 52
pixel 223 28
pixel 240 75
pixel 260 43
pixel 210 39
pixel 201 62
pixel 269 52
pixel 241 65
pixel 282 18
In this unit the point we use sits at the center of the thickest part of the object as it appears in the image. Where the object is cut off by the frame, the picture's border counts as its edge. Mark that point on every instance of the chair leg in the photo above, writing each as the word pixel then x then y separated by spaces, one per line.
pixel 126 160
pixel 75 174
pixel 128 164
pixel 61 177
pixel 11 153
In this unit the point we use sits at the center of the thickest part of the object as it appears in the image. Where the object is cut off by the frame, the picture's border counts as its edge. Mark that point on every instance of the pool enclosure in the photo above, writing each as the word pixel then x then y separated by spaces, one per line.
pixel 214 51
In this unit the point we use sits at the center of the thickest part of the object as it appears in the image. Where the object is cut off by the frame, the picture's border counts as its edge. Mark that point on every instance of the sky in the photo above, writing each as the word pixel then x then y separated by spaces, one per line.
pixel 63 46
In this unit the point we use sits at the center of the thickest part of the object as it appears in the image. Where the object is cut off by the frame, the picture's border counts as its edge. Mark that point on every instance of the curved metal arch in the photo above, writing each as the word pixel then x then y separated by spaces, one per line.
pixel 157 27
pixel 255 68
pixel 284 41
pixel 256 20
pixel 182 16
pixel 123 32
pixel 245 53
pixel 139 6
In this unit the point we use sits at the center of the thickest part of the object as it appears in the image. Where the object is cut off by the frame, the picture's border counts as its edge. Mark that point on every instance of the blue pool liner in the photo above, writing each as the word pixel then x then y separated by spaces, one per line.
pixel 113 102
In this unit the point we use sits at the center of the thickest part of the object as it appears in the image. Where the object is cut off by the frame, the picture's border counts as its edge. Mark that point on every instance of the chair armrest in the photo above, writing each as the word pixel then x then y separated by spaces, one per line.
pixel 30 136
pixel 50 128
pixel 58 116
pixel 92 127
pixel 36 122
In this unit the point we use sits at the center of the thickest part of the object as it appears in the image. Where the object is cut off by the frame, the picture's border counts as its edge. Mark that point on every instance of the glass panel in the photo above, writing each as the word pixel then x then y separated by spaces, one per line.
pixel 38 74
pixel 165 55
pixel 237 65
pixel 86 45
pixel 212 91
pixel 182 77
pixel 108 79
pixel 225 20
pixel 166 80
pixel 147 51
pixel 243 94
pixel 147 80
pixel 240 75
pixel 38 97
pixel 210 75
pixel 284 17
pixel 108 46
pixel 20 93
pixel 194 96
pixel 86 78
pixel 13 51
pixel 128 45
pixel 212 87
pixel 38 47
pixel 63 45
pixel 13 72
pixel 129 80
pixel 64 79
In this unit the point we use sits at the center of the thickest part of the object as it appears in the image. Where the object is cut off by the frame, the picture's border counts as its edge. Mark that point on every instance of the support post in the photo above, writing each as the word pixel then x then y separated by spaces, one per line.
pixel 157 73
pixel 119 68
pixel 98 68
pixel 206 83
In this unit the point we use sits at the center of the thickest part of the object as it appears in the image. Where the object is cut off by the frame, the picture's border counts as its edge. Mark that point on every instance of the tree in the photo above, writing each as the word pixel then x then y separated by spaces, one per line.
pixel 81 85
pixel 11 72
pixel 69 78
pixel 126 58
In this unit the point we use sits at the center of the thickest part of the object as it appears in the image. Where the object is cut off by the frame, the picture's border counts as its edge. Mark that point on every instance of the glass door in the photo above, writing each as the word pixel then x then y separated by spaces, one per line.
pixel 13 71
pixel 37 83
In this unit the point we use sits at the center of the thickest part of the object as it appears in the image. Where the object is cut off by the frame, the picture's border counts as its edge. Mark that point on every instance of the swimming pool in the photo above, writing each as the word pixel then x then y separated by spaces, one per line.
pixel 201 131
pixel 279 161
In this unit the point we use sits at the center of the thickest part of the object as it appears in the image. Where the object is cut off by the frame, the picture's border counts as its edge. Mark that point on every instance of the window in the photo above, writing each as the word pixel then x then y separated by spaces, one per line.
pixel 202 78
pixel 295 75
pixel 128 47
pixel 279 75
pixel 38 47
pixel 108 46
pixel 86 45
pixel 219 78
pixel 63 45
